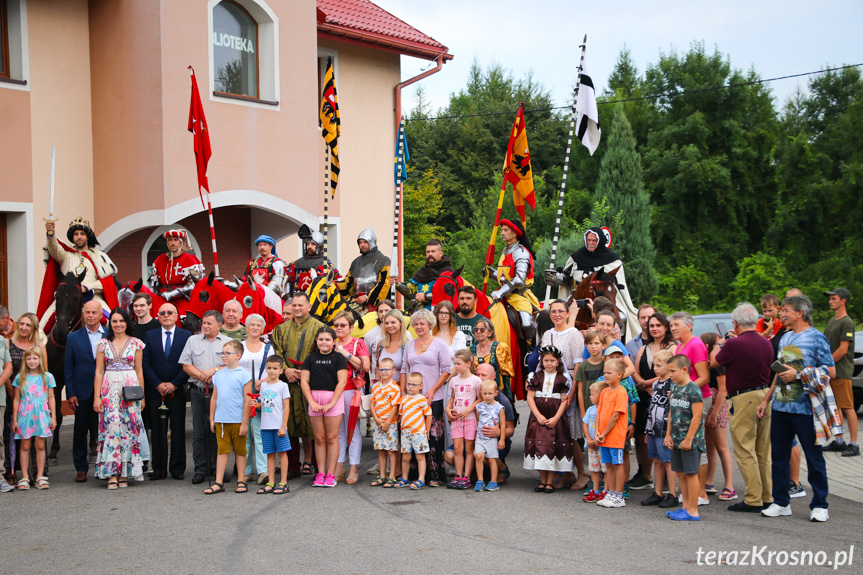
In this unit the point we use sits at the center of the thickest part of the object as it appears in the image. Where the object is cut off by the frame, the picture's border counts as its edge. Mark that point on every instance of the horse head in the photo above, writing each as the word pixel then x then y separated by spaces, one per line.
pixel 259 299
pixel 446 287
pixel 327 300
pixel 209 294
pixel 69 300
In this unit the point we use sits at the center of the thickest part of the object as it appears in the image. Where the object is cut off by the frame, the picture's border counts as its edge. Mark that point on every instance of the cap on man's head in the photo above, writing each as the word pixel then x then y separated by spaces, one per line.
pixel 841 292
pixel 610 350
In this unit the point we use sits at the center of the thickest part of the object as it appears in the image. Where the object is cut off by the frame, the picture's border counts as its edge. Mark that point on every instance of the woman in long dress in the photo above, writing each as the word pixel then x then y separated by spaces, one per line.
pixel 118 365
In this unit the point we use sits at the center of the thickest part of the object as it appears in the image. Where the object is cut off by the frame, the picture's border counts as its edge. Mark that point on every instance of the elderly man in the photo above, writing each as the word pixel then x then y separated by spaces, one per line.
pixel 80 373
pixel 486 371
pixel 165 382
pixel 419 287
pixel 293 340
pixel 840 333
pixel 201 359
pixel 368 279
pixel 801 349
pixel 746 359
pixel 232 311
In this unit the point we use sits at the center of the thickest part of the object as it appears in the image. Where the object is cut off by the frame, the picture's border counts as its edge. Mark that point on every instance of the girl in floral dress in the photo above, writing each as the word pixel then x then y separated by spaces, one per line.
pixel 33 414
pixel 118 365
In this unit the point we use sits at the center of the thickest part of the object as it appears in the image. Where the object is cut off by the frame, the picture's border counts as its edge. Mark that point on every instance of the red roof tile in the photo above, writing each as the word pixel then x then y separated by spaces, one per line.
pixel 363 21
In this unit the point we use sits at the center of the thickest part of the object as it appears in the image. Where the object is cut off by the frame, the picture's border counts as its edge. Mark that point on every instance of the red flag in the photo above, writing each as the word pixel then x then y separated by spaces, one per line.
pixel 198 127
pixel 516 166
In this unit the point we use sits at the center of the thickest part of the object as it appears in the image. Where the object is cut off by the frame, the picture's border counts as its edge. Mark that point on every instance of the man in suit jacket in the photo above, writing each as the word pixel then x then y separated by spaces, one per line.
pixel 80 373
pixel 164 382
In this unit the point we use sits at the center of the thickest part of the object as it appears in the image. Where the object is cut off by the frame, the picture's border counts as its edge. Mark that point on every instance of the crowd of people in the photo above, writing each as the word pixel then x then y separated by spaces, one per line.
pixel 439 393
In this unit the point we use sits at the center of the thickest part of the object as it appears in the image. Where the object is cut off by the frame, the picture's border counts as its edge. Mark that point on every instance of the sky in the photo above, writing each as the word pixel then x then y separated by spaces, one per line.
pixel 775 38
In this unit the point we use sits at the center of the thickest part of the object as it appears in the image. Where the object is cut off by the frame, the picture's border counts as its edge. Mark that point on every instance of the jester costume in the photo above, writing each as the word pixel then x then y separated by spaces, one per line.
pixel 368 275
pixel 269 270
pixel 301 273
pixel 174 274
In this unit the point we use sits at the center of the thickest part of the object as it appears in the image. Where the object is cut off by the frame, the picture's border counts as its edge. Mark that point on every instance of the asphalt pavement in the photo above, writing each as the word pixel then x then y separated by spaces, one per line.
pixel 170 526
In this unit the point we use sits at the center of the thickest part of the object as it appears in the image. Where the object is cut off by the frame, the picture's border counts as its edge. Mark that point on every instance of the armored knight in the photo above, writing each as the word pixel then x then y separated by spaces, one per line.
pixel 368 279
pixel 175 272
pixel 313 263
pixel 267 267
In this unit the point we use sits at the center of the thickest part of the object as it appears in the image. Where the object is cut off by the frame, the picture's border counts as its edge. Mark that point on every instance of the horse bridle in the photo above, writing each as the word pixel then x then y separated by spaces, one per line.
pixel 71 328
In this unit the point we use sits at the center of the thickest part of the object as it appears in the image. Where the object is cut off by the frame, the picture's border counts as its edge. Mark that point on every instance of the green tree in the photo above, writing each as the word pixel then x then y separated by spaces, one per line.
pixel 760 274
pixel 621 184
pixel 422 200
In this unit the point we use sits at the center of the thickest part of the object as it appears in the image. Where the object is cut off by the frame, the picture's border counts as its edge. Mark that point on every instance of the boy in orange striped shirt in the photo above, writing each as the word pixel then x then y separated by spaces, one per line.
pixel 385 407
pixel 415 414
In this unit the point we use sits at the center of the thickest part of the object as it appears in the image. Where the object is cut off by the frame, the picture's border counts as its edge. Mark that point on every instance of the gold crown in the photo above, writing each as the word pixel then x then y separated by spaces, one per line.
pixel 79 221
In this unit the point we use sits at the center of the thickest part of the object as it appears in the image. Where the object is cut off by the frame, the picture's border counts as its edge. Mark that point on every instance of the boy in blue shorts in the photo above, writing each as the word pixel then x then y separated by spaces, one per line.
pixel 611 432
pixel 657 423
pixel 613 352
pixel 275 403
pixel 685 436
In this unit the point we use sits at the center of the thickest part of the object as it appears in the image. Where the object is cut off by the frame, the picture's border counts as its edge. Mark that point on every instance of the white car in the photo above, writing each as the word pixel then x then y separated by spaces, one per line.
pixel 857 378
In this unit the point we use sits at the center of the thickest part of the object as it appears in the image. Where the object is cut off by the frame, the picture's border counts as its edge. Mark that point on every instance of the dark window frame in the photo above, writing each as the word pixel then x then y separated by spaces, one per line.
pixel 4 40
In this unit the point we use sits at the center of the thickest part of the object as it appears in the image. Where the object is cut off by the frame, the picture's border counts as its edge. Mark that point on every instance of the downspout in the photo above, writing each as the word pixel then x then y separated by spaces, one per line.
pixel 398 112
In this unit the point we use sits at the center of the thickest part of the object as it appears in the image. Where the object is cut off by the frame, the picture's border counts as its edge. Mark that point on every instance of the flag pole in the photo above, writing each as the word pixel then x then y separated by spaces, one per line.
pixel 326 195
pixel 554 241
pixel 489 255
pixel 395 261
pixel 213 235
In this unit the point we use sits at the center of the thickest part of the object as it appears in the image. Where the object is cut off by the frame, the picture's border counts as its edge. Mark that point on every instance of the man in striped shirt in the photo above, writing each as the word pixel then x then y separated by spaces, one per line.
pixel 415 414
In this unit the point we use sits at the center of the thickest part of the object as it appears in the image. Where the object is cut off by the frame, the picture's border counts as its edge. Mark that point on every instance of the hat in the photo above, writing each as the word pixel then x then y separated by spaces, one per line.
pixel 269 240
pixel 612 349
pixel 841 292
pixel 180 234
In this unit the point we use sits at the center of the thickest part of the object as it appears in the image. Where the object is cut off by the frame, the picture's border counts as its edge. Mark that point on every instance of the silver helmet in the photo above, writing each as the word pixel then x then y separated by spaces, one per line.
pixel 316 238
pixel 368 234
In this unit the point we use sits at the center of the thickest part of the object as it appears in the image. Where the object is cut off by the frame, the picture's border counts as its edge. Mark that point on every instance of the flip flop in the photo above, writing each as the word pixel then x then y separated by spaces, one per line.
pixel 266 489
pixel 242 487
pixel 281 489
pixel 214 488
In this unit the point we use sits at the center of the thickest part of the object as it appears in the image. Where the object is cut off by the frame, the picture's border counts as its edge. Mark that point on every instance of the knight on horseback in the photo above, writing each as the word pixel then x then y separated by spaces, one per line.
pixel 368 278
pixel 419 287
pixel 313 263
pixel 596 256
pixel 515 275
pixel 176 272
pixel 83 256
pixel 267 267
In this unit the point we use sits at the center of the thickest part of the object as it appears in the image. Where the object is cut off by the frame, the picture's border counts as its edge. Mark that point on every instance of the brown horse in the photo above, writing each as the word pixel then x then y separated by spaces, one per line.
pixel 599 283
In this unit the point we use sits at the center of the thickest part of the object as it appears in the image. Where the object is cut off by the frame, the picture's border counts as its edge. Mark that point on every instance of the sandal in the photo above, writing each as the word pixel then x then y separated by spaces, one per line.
pixel 378 482
pixel 214 488
pixel 402 483
pixel 112 485
pixel 123 482
pixel 242 487
pixel 352 479
pixel 433 483
pixel 24 483
pixel 418 484
pixel 266 489
pixel 281 489
pixel 727 495
pixel 710 489
pixel 308 468
pixel 390 484
pixel 42 483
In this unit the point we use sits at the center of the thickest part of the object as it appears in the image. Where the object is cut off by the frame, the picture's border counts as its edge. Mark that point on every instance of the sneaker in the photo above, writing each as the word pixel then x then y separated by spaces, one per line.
pixel 492 486
pixel 5 487
pixel 703 501
pixel 374 470
pixel 464 483
pixel 330 480
pixel 601 495
pixel 851 451
pixel 617 502
pixel 455 483
pixel 777 510
pixel 319 480
pixel 668 502
pixel 626 490
pixel 652 499
pixel 640 482
pixel 745 507
pixel 588 488
pixel 796 491
pixel 607 501
pixel 819 514
pixel 835 445
pixel 479 486
pixel 592 496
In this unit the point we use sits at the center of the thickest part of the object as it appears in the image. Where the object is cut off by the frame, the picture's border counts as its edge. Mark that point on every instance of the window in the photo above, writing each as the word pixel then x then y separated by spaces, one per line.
pixel 4 41
pixel 235 50
pixel 14 64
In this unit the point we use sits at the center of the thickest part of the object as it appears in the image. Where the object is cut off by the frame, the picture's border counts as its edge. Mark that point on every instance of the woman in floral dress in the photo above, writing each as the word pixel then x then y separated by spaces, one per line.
pixel 118 365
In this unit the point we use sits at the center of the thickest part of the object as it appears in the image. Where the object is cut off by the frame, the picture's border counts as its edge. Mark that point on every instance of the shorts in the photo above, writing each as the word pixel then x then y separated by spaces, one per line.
pixel 722 416
pixel 323 398
pixel 613 455
pixel 627 445
pixel 271 442
pixel 463 429
pixel 386 440
pixel 794 442
pixel 594 462
pixel 842 393
pixel 656 449
pixel 414 442
pixel 228 435
pixel 685 462
pixel 487 445
pixel 706 406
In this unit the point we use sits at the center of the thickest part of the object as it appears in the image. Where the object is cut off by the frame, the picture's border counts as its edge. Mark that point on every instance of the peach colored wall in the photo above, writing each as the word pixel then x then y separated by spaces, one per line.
pixel 60 112
pixel 15 147
pixel 127 122
pixel 365 196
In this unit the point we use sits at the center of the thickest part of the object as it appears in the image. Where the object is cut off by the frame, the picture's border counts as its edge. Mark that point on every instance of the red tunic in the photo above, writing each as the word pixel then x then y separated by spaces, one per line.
pixel 173 275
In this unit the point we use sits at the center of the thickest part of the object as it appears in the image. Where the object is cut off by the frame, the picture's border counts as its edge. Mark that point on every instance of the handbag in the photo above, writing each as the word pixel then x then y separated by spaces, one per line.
pixel 133 393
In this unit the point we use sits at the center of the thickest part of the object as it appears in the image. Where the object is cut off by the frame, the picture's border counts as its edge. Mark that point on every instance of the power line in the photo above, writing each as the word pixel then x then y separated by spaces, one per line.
pixel 650 97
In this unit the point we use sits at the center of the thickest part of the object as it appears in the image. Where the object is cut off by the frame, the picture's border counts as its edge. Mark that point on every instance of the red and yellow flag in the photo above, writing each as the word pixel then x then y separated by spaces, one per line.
pixel 516 166
pixel 330 122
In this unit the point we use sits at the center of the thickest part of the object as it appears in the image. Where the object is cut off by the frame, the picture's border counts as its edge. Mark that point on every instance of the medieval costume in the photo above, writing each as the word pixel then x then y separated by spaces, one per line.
pixel 369 274
pixel 584 262
pixel 174 274
pixel 423 280
pixel 97 267
pixel 548 448
pixel 301 273
pixel 515 276
pixel 269 270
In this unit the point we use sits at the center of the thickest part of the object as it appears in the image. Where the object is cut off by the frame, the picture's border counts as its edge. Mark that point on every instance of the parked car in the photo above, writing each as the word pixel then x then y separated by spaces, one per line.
pixel 857 378
pixel 705 322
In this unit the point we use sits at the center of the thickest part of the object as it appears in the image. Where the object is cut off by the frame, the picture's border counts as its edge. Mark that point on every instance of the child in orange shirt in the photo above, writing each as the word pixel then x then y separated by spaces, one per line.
pixel 769 325
pixel 611 428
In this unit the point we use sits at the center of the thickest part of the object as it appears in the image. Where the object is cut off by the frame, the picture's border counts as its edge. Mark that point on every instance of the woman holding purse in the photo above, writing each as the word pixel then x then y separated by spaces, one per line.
pixel 118 399
pixel 357 355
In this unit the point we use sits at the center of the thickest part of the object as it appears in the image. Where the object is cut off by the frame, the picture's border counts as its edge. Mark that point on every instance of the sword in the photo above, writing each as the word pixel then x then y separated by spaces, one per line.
pixel 51 217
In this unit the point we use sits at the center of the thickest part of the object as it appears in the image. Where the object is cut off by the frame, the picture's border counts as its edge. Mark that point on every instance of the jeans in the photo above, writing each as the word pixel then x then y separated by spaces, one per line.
pixel 203 440
pixel 783 427
pixel 254 436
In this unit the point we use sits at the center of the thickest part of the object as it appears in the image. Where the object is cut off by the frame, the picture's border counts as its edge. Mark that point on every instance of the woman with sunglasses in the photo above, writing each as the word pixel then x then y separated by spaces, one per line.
pixel 495 353
pixel 356 353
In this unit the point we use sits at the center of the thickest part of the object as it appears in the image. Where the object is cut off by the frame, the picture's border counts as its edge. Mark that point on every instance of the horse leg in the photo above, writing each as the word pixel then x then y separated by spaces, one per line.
pixel 55 442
